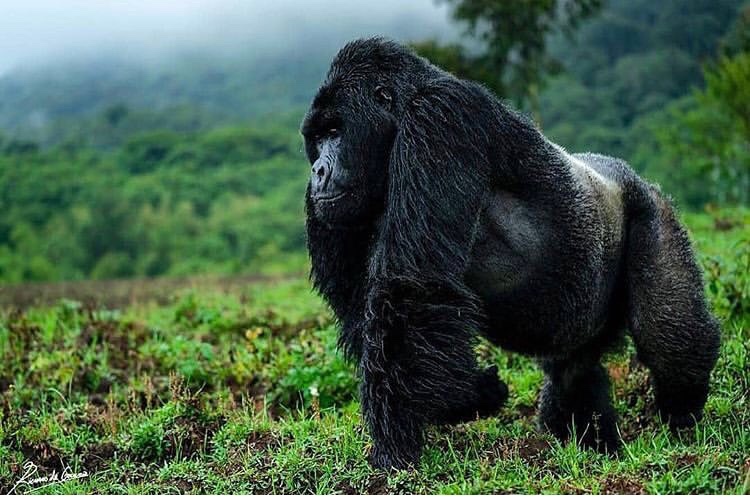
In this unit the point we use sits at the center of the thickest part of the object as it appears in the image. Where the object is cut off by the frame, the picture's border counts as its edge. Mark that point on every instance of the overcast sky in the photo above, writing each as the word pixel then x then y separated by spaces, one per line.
pixel 37 30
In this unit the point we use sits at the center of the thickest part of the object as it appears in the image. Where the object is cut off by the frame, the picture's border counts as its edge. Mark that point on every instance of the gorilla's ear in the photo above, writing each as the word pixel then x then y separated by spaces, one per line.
pixel 438 177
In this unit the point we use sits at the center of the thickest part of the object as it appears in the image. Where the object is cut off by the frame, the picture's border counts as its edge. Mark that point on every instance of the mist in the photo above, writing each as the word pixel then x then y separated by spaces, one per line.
pixel 38 31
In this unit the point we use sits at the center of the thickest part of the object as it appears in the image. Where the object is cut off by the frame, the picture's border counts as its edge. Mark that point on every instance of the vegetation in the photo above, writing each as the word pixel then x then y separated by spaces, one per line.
pixel 240 392
pixel 661 84
pixel 116 168
pixel 513 37
pixel 101 102
pixel 222 201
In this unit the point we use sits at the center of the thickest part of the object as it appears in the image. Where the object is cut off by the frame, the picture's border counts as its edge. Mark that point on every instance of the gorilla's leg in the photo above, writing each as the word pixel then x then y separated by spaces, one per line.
pixel 673 330
pixel 575 398
pixel 418 367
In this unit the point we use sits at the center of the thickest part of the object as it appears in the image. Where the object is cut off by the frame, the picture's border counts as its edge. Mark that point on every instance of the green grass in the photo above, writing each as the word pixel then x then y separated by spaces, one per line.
pixel 243 391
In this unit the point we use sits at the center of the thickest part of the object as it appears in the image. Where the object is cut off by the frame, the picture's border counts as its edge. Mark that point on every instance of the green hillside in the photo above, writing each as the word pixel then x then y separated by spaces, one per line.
pixel 111 167
pixel 221 201
pixel 101 102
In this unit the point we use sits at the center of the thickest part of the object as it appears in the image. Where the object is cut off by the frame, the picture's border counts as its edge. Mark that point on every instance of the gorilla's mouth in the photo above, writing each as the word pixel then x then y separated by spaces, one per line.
pixel 330 198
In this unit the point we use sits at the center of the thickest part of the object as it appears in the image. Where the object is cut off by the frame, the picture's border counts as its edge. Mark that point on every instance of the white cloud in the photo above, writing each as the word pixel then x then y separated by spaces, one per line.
pixel 34 30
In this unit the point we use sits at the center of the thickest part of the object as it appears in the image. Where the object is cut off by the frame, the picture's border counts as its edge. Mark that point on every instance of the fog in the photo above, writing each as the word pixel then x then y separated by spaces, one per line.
pixel 37 31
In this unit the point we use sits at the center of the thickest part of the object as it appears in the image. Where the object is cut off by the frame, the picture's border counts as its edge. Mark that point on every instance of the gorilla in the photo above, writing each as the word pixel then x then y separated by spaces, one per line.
pixel 436 214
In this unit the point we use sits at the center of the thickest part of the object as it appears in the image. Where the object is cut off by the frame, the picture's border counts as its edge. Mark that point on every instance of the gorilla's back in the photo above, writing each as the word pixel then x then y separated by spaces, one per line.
pixel 602 179
pixel 540 295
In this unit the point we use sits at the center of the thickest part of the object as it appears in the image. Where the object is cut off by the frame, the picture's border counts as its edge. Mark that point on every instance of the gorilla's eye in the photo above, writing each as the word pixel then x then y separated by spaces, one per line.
pixel 330 133
pixel 383 96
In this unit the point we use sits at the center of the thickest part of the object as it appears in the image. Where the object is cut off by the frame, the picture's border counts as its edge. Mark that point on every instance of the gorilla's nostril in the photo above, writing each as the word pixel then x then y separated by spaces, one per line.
pixel 320 172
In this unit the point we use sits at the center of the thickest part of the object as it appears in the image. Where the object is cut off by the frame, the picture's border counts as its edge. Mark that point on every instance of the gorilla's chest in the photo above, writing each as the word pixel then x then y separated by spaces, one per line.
pixel 508 244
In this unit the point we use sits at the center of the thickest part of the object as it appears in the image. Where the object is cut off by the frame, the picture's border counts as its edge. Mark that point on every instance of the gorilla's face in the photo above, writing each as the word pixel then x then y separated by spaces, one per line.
pixel 349 132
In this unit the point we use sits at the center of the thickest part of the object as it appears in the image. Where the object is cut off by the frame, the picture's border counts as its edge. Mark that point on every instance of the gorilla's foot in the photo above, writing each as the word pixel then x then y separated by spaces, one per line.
pixel 575 402
pixel 592 430
pixel 380 458
pixel 680 406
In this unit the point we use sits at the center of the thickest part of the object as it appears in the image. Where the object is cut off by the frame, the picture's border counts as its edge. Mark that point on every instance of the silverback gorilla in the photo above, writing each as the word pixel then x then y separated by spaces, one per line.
pixel 435 213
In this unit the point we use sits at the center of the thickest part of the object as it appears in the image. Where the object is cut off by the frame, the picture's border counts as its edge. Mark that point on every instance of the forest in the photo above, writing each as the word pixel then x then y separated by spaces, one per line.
pixel 111 168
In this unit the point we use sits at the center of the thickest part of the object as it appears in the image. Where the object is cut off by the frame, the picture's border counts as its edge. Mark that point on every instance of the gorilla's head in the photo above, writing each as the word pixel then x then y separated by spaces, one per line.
pixel 350 128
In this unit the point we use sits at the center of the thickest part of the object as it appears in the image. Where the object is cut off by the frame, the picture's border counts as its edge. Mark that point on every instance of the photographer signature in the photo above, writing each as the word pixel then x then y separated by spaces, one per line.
pixel 30 476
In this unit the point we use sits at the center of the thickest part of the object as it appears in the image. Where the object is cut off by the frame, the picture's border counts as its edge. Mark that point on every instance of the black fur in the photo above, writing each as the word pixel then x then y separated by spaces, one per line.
pixel 435 213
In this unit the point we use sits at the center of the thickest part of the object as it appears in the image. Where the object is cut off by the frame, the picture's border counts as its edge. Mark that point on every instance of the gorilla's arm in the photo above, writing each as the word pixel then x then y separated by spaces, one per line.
pixel 438 178
pixel 418 365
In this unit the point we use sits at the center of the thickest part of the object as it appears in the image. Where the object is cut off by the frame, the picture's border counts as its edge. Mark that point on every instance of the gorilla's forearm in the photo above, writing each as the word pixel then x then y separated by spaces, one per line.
pixel 418 366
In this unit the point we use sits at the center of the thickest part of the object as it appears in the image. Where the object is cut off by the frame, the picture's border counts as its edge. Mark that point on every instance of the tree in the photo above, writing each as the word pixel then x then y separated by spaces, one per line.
pixel 698 148
pixel 512 58
pixel 737 38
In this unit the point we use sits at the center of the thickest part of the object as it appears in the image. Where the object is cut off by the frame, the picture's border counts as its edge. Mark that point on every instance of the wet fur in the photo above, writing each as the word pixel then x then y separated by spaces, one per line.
pixel 486 227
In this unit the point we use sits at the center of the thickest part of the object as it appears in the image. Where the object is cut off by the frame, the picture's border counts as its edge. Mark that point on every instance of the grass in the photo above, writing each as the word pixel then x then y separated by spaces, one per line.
pixel 240 390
